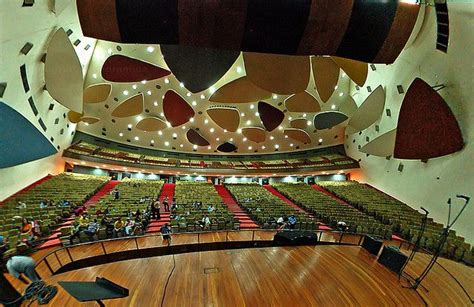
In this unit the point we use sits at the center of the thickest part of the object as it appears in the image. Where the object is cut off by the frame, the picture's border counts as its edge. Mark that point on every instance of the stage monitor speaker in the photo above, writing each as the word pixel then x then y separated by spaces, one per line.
pixel 392 258
pixel 372 245
pixel 295 238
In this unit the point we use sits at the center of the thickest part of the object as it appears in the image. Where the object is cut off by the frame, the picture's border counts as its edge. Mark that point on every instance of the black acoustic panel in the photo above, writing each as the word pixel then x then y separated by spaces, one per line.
pixel 24 78
pixel 367 30
pixel 295 238
pixel 392 258
pixel 275 26
pixel 372 245
pixel 198 68
pixel 43 126
pixel 400 167
pixel 327 120
pixel 227 147
pixel 32 104
pixel 142 21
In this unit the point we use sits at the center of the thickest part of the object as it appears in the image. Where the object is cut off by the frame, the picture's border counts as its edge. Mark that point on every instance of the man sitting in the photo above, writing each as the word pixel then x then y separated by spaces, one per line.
pixel 92 229
pixel 118 227
pixel 292 221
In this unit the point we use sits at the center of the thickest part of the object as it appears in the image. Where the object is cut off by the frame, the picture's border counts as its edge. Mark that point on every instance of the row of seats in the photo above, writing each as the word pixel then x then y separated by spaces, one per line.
pixel 402 218
pixel 265 208
pixel 330 211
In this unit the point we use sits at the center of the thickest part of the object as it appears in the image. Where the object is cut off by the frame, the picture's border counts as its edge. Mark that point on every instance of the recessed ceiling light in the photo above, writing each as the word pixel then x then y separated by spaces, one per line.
pixel 263 147
pixel 134 86
pixel 191 119
pixel 94 76
pixel 286 136
pixel 341 94
pixel 239 130
pixel 245 139
pixel 212 130
pixel 277 146
pixel 335 88
pixel 162 114
pixel 320 140
pixel 136 138
pixel 181 84
pixel 149 93
pixel 280 128
pixel 195 146
pixel 188 94
pixel 161 172
pixel 167 143
pixel 231 139
pixel 206 121
pixel 120 134
pixel 271 137
pixel 155 103
pixel 143 81
pixel 181 145
pixel 218 139
pixel 208 147
pixel 257 114
pixel 248 122
pixel 129 125
pixel 150 49
pixel 168 124
pixel 304 114
pixel 167 80
pixel 87 124
pixel 103 165
pixel 239 69
pixel 125 92
pixel 242 114
pixel 308 123
pixel 194 103
pixel 160 132
pixel 225 130
pixel 82 162
pixel 250 147
pixel 333 107
pixel 290 118
pixel 252 106
pixel 183 127
pixel 202 96
pixel 152 141
pixel 275 96
pixel 291 145
pixel 175 135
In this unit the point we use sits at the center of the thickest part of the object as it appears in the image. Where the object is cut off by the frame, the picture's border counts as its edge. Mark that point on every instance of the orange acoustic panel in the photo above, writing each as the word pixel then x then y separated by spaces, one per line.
pixel 369 112
pixel 356 70
pixel 240 90
pixel 382 146
pixel 299 123
pixel 150 124
pixel 130 107
pixel 90 119
pixel 177 111
pixel 195 138
pixel 298 135
pixel 326 76
pixel 74 117
pixel 271 117
pixel 97 93
pixel 302 102
pixel 281 74
pixel 225 117
pixel 255 134
pixel 427 128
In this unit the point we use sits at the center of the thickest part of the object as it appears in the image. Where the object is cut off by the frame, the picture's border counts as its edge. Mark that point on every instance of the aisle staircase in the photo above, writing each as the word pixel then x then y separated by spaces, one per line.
pixel 244 219
pixel 326 192
pixel 155 225
pixel 109 186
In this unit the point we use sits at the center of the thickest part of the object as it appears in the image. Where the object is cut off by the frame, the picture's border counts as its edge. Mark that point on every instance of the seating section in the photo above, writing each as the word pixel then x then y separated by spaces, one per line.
pixel 188 216
pixel 330 211
pixel 74 188
pixel 265 208
pixel 402 218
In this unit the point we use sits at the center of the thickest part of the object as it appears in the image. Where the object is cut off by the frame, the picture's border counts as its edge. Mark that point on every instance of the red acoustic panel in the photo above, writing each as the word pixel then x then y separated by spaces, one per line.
pixel 195 138
pixel 177 110
pixel 426 126
pixel 119 68
pixel 271 117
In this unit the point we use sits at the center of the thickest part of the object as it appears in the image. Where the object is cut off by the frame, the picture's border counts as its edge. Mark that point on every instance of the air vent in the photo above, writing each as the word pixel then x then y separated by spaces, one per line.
pixel 69 32
pixel 51 106
pixel 56 121
pixel 87 47
pixel 28 3
pixel 26 48
pixel 369 89
pixel 77 42
pixel 400 89
pixel 372 66
pixel 442 19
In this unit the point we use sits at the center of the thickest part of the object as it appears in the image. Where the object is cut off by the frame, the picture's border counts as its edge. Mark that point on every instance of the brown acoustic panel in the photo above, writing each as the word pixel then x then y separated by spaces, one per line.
pixel 219 24
pixel 90 119
pixel 74 117
pixel 383 146
pixel 356 70
pixel 119 68
pixel 348 106
pixel 400 31
pixel 150 124
pixel 326 76
pixel 255 134
pixel 325 27
pixel 329 119
pixel 195 138
pixel 271 117
pixel 97 93
pixel 281 74
pixel 299 123
pixel 130 107
pixel 302 102
pixel 225 117
pixel 369 111
pixel 426 127
pixel 99 19
pixel 240 90
pixel 227 147
pixel 298 135
pixel 177 111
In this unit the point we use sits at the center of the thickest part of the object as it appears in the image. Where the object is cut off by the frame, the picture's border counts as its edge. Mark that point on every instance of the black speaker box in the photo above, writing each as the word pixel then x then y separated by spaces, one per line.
pixel 295 238
pixel 392 258
pixel 372 245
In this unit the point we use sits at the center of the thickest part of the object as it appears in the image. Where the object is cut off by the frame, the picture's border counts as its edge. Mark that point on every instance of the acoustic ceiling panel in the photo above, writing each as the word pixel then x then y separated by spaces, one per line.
pixel 130 107
pixel 195 138
pixel 427 128
pixel 225 117
pixel 227 147
pixel 326 76
pixel 20 141
pixel 271 117
pixel 369 112
pixel 302 102
pixel 198 68
pixel 255 134
pixel 151 124
pixel 348 106
pixel 63 72
pixel 97 93
pixel 329 119
pixel 356 70
pixel 119 68
pixel 383 146
pixel 90 119
pixel 279 74
pixel 298 135
pixel 299 123
pixel 177 111
pixel 74 117
pixel 240 90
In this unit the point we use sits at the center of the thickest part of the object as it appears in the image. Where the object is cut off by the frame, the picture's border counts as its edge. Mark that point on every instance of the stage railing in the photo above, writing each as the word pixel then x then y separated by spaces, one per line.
pixel 54 260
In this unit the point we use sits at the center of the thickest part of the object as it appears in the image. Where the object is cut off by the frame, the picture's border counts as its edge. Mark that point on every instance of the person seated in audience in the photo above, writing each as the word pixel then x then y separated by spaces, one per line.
pixel 43 204
pixel 107 223
pixel 137 227
pixel 342 226
pixel 280 221
pixel 258 209
pixel 129 226
pixel 119 227
pixel 64 203
pixel 205 222
pixel 138 214
pixel 129 213
pixel 27 229
pixel 51 203
pixel 174 207
pixel 92 229
pixel 79 210
pixel 142 200
pixel 292 221
pixel 83 220
pixel 107 210
pixel 36 228
pixel 211 208
pixel 99 212
pixel 21 205
pixel 166 233
pixel 116 194
pixel 75 232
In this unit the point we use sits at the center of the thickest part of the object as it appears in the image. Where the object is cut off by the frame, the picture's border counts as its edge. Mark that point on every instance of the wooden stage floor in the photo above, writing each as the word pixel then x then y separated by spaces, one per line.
pixel 324 275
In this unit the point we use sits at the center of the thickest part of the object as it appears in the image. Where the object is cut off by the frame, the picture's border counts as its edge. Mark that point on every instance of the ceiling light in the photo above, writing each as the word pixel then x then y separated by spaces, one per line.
pixel 94 76
pixel 286 136
pixel 208 147
pixel 160 133
pixel 217 139
pixel 181 145
pixel 271 137
pixel 291 145
pixel 252 106
pixel 239 130
pixel 134 86
pixel 175 135
pixel 225 130
pixel 181 84
pixel 231 139
pixel 333 107
pixel 191 119
pixel 87 124
pixel 195 146
pixel 308 123
pixel 183 127
pixel 103 165
pixel 152 141
pixel 304 114
pixel 290 118
pixel 129 126
pixel 125 92
pixel 335 88
pixel 143 81
pixel 188 94
pixel 275 96
pixel 120 134
pixel 277 146
pixel 150 49
pixel 167 80
pixel 155 103
pixel 341 94
pixel 280 128
pixel 124 167
pixel 149 93
pixel 248 122
pixel 263 147
pixel 136 138
pixel 194 103
pixel 245 139
pixel 257 114
pixel 212 130
pixel 202 96
pixel 162 114
pixel 206 121
pixel 167 143
pixel 168 124
pixel 161 172
pixel 250 147
pixel 320 140
pixel 239 69
pixel 139 117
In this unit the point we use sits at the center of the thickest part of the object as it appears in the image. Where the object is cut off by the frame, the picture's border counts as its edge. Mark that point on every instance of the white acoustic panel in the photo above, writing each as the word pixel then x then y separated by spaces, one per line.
pixel 369 112
pixel 383 146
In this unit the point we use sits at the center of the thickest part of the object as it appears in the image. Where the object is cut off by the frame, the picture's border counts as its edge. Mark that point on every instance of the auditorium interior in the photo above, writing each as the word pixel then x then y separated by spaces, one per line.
pixel 236 152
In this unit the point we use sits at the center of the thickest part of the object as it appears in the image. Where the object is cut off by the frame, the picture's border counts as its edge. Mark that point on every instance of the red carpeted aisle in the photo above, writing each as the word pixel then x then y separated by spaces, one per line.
pixel 109 186
pixel 324 191
pixel 244 219
pixel 155 225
